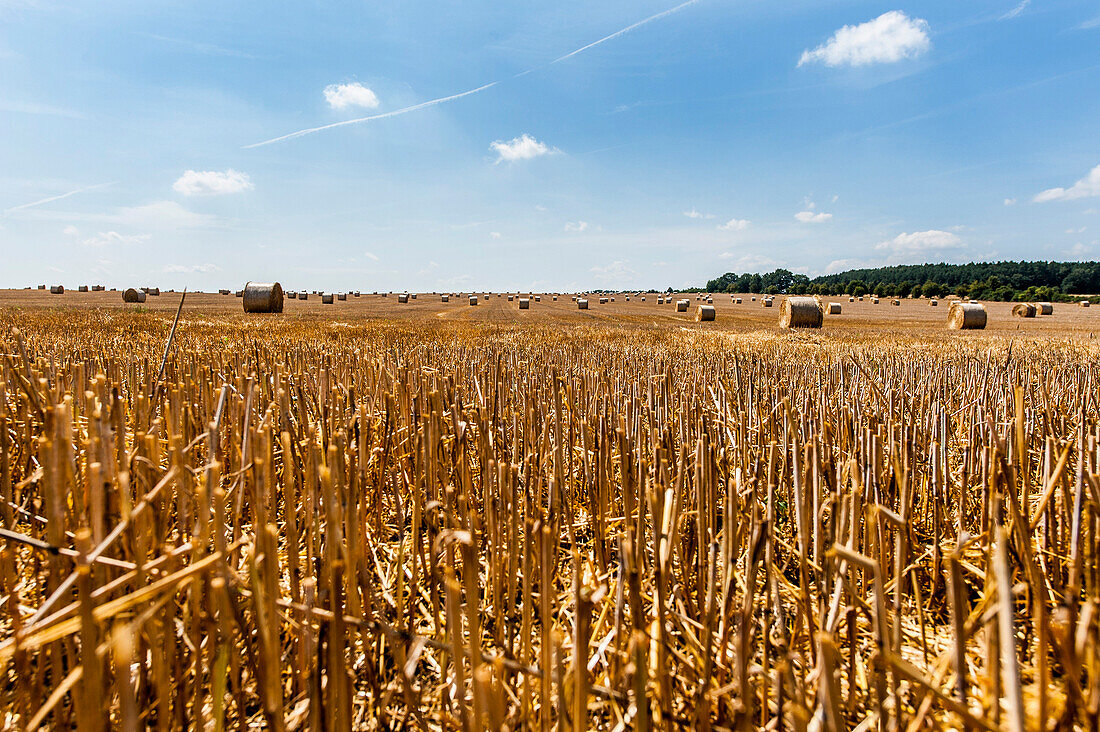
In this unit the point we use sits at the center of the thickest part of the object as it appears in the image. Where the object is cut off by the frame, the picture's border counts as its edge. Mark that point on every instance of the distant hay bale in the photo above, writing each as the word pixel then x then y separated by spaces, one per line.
pixel 524 303
pixel 603 301
pixel 1044 308
pixel 643 298
pixel 582 304
pixel 896 302
pixel 660 301
pixel 57 289
pixel 473 299
pixel 327 299
pixel 861 298
pixel 292 295
pixel 834 308
pixel 933 303
pixel 132 295
pixel 682 306
pixel 851 299
pixel 874 301
pixel 402 298
pixel 1024 310
pixel 263 297
pixel 82 288
pixel 801 312
pixel 239 293
pixel 738 301
pixel 223 292
pixel 538 298
pixel 97 288
pixel 303 295
pixel 445 298
pixel 342 296
pixel 754 298
pixel 412 295
pixel 767 302
pixel 704 314
pixel 41 287
pixel 511 297
pixel 555 298
pixel 154 291
pixel 1085 303
pixel 966 316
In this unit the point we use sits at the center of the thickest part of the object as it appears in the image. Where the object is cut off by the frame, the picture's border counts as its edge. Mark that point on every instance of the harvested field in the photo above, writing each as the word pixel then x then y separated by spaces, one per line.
pixel 378 516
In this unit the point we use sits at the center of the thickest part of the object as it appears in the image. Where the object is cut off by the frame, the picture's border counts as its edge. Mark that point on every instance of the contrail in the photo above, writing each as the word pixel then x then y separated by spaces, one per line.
pixel 433 102
pixel 55 198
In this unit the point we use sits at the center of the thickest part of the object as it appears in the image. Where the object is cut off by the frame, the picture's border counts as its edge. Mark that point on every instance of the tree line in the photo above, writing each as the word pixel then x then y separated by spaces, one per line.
pixel 1006 281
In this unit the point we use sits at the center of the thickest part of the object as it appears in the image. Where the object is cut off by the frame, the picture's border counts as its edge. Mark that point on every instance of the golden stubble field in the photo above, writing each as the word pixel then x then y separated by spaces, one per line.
pixel 369 515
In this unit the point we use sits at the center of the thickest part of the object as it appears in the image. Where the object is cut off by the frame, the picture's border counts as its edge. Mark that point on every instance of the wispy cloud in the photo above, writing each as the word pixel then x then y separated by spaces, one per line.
pixel 1085 188
pixel 371 255
pixel 812 217
pixel 207 49
pixel 576 225
pixel 192 268
pixel 618 271
pixel 39 109
pixel 354 94
pixel 523 147
pixel 51 199
pixel 483 87
pixel 695 214
pixel 113 238
pixel 1010 201
pixel 1016 11
pixel 933 240
pixel 889 38
pixel 212 182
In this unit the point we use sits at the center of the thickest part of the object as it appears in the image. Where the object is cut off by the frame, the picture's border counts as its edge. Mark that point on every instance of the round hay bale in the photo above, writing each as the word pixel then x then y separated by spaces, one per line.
pixel 82 288
pixel 1085 303
pixel 933 303
pixel 303 295
pixel 524 303
pixel 402 298
pixel 412 295
pixel 767 302
pixel 445 298
pixel 801 312
pixel 342 296
pixel 154 291
pixel 291 295
pixel 896 303
pixel 239 293
pixel 582 304
pixel 57 289
pixel 41 287
pixel 473 299
pixel 1023 310
pixel 555 298
pixel 834 308
pixel 263 297
pixel 966 316
pixel 738 301
pixel 538 298
pixel 132 295
pixel 704 314
pixel 1045 308
pixel 223 292
pixel 327 299
pixel 660 301
pixel 603 301
pixel 643 298
pixel 874 301
pixel 682 306
pixel 754 298
pixel 851 299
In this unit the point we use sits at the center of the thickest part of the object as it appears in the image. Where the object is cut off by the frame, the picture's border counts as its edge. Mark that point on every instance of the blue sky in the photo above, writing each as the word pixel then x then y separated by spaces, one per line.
pixel 722 136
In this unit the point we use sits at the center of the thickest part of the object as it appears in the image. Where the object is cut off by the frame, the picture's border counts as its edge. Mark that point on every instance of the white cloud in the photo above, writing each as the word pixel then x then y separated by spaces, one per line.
pixel 342 96
pixel 70 230
pixel 890 37
pixel 576 225
pixel 1010 201
pixel 212 182
pixel 617 271
pixel 932 240
pixel 371 255
pixel 192 268
pixel 1077 231
pixel 1090 24
pixel 843 265
pixel 1016 11
pixel 809 217
pixel 1085 188
pixel 494 234
pixel 112 238
pixel 735 225
pixel 693 214
pixel 750 262
pixel 161 214
pixel 523 147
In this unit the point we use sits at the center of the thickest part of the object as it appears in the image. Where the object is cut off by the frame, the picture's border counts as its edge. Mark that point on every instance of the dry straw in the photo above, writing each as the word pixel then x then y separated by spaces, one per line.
pixel 263 297
pixel 966 316
pixel 132 295
pixel 1024 310
pixel 801 312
